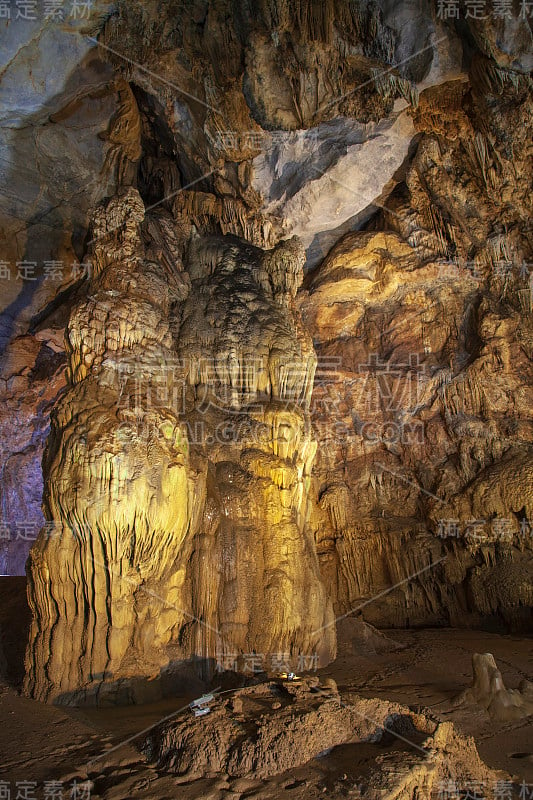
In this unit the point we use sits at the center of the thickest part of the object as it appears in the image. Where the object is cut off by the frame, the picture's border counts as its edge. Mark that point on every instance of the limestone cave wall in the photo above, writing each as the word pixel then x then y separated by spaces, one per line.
pixel 294 376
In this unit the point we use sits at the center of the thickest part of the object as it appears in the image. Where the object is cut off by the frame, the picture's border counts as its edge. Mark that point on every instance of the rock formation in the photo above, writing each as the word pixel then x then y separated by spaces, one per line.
pixel 488 691
pixel 274 727
pixel 256 432
pixel 177 469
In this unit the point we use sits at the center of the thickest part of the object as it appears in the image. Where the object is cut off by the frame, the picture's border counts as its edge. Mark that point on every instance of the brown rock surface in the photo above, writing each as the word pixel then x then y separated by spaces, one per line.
pixel 264 741
pixel 212 501
pixel 424 331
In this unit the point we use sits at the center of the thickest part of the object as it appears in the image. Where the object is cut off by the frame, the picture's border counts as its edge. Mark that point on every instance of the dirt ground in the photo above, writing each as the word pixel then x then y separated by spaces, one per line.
pixel 40 744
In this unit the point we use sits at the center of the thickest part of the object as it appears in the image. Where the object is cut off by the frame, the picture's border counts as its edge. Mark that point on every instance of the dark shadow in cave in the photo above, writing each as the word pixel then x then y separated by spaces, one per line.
pixel 15 620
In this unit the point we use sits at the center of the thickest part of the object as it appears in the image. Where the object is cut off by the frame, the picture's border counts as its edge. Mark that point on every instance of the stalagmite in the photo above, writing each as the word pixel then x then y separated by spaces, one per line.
pixel 175 547
pixel 488 691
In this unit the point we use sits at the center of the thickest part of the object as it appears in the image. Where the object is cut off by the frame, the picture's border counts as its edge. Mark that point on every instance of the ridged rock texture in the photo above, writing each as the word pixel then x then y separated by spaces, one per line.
pixel 427 325
pixel 178 470
pixel 257 431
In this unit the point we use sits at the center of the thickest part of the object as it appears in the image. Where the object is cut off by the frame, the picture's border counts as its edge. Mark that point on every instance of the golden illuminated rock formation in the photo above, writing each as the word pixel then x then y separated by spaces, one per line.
pixel 398 147
pixel 177 471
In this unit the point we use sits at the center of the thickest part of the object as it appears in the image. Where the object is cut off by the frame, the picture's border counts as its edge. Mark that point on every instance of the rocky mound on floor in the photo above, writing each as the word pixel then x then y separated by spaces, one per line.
pixel 267 729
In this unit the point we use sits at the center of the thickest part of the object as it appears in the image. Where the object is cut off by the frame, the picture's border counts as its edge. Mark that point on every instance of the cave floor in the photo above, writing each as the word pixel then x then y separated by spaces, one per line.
pixel 45 743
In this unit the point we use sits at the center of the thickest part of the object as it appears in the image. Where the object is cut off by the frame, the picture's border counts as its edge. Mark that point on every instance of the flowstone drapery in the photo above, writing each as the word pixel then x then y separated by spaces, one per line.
pixel 177 470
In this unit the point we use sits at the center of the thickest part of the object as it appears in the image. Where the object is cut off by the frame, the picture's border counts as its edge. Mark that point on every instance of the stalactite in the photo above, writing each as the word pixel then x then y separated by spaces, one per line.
pixel 389 84
pixel 226 215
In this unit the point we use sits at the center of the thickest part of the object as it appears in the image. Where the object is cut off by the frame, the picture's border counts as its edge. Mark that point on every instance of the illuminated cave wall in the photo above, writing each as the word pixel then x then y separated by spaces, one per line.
pixel 408 188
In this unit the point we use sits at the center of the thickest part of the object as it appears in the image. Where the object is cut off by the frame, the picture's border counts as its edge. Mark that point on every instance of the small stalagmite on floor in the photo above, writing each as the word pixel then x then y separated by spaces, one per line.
pixel 488 691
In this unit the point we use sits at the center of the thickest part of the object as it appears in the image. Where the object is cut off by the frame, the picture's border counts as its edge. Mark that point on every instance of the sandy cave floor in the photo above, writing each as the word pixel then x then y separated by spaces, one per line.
pixel 44 743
